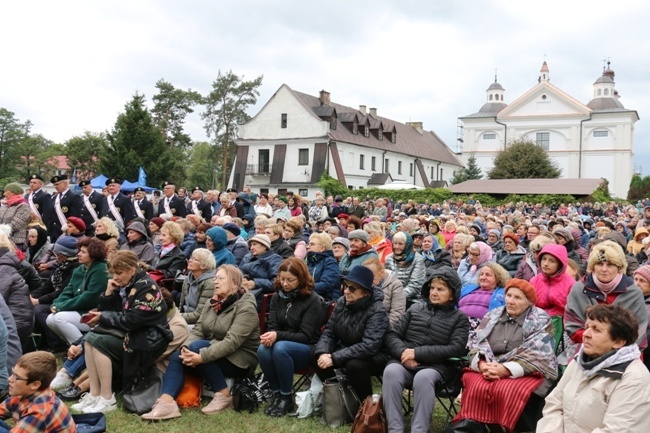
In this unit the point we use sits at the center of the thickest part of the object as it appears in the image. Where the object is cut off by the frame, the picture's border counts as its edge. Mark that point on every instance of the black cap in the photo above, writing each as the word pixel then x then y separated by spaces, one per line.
pixel 84 183
pixel 197 188
pixel 56 179
pixel 139 189
pixel 167 183
pixel 111 180
pixel 36 176
pixel 231 190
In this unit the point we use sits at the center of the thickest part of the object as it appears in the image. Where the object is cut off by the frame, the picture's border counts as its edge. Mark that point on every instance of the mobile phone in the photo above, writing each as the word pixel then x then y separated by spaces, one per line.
pixel 85 318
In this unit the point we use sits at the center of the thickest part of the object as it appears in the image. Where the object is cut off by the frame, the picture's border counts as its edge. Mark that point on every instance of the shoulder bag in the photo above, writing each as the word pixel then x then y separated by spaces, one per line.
pixel 340 402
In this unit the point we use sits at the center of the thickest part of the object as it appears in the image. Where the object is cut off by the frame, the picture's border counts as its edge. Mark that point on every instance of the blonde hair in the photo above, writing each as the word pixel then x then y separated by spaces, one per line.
pixel 539 242
pixel 174 231
pixel 324 239
pixel 205 258
pixel 500 273
pixel 375 227
pixel 109 225
pixel 463 230
pixel 234 275
pixel 610 252
pixel 5 242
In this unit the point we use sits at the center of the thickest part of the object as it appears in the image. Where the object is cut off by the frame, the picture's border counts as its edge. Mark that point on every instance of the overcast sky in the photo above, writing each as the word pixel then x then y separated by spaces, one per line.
pixel 70 66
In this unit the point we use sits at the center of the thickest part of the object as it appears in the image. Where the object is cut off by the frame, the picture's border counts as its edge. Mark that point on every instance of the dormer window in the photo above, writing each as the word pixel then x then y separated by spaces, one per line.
pixel 355 127
pixel 606 92
pixel 380 134
pixel 333 123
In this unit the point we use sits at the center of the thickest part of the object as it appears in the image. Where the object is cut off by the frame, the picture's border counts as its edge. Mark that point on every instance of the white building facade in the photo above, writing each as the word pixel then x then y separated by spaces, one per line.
pixel 593 140
pixel 296 137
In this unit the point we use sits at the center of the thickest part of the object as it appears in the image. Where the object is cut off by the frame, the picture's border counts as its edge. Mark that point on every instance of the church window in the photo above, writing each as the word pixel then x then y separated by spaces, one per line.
pixel 489 136
pixel 543 139
pixel 606 92
pixel 599 92
pixel 601 133
pixel 490 97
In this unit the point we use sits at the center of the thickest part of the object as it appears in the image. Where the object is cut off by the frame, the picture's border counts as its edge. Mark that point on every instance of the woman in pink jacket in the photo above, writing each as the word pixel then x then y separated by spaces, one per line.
pixel 552 283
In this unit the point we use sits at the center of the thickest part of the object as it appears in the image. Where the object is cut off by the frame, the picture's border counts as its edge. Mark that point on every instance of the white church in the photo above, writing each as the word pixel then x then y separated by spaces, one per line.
pixel 592 140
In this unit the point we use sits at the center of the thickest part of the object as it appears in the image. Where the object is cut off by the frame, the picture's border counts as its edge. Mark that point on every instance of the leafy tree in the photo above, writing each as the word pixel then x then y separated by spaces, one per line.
pixel 12 133
pixel 225 109
pixel 83 153
pixel 35 155
pixel 524 160
pixel 331 186
pixel 171 107
pixel 639 187
pixel 471 172
pixel 134 142
pixel 200 166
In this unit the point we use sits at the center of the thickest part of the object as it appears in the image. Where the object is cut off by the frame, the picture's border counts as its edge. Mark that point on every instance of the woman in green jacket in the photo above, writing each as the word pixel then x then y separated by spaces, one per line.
pixel 82 292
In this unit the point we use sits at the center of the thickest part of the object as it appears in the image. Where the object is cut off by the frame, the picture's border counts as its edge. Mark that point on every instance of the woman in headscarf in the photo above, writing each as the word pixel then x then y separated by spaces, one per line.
pixel 434 255
pixel 216 241
pixel 138 242
pixel 479 253
pixel 488 294
pixel 38 245
pixel 407 265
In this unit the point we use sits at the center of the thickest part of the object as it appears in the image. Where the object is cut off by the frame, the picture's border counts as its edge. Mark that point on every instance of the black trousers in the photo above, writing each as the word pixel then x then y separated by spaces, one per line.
pixel 359 373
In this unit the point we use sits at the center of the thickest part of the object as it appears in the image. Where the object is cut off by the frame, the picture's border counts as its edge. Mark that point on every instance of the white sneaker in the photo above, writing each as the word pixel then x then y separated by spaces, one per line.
pixel 61 380
pixel 85 401
pixel 102 405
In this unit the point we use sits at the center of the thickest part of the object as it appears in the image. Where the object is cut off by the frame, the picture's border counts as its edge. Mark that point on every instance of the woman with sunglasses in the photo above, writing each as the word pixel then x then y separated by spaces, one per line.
pixel 293 329
pixel 354 334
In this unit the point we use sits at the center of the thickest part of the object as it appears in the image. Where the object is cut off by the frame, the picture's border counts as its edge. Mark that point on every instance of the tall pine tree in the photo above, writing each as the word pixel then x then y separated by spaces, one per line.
pixel 471 172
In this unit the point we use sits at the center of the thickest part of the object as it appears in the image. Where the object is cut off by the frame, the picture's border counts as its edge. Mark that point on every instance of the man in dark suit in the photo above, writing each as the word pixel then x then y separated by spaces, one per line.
pixel 141 204
pixel 64 204
pixel 232 193
pixel 91 206
pixel 171 204
pixel 39 200
pixel 116 205
pixel 198 206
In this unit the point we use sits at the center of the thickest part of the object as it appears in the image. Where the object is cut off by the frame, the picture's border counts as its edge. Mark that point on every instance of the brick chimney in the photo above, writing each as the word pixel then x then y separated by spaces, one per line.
pixel 417 125
pixel 362 108
pixel 373 113
pixel 324 97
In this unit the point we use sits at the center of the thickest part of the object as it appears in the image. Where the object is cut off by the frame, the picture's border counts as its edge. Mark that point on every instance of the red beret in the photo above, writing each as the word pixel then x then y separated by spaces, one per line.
pixel 78 223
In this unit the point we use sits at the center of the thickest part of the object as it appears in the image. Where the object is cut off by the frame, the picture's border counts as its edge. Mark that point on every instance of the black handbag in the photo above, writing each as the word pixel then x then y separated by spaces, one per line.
pixel 340 402
pixel 109 330
pixel 140 396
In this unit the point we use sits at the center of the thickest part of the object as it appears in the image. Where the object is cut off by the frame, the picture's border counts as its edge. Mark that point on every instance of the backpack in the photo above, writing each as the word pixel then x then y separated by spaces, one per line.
pixel 247 394
pixel 370 417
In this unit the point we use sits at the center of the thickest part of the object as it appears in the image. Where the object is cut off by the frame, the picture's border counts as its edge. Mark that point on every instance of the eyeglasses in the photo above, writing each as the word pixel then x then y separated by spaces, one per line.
pixel 350 287
pixel 288 280
pixel 474 254
pixel 16 377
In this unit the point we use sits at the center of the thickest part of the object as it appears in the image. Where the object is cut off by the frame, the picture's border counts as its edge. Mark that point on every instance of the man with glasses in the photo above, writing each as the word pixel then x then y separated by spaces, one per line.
pixel 533 231
pixel 171 204
pixel 32 403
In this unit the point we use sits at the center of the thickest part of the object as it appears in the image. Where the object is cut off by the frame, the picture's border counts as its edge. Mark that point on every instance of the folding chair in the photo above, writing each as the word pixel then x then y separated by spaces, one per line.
pixel 263 314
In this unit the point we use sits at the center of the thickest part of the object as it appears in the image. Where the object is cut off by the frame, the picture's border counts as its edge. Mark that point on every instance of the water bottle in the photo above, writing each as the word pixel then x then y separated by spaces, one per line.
pixel 375 398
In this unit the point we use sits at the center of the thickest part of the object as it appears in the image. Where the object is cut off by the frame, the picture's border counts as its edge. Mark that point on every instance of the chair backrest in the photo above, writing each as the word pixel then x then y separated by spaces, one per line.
pixel 263 314
pixel 558 328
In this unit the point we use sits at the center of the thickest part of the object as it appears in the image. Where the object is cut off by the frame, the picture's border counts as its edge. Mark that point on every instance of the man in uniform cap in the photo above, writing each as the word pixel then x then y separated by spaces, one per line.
pixel 171 204
pixel 39 201
pixel 91 206
pixel 232 193
pixel 143 208
pixel 198 206
pixel 64 204
pixel 116 205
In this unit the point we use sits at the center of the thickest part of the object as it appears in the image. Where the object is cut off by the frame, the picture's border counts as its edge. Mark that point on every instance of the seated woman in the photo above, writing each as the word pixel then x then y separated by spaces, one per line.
pixel 606 387
pixel 378 241
pixel 478 253
pixel 155 225
pixel 407 265
pixel 607 283
pixel 293 236
pixel 82 292
pixel 138 242
pixel 528 267
pixel 37 245
pixel 458 249
pixel 260 267
pixel 133 316
pixel 434 255
pixel 354 334
pixel 476 300
pixel 222 344
pixel 513 342
pixel 293 329
pixel 418 356
pixel 198 287
pixel 14 289
pixel 394 300
pixel 216 240
pixel 552 283
pixel 511 255
pixel 105 230
pixel 323 267
pixel 171 259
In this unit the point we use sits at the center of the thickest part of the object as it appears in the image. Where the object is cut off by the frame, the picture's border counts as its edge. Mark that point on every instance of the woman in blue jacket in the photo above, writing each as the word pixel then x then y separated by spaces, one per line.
pixel 323 266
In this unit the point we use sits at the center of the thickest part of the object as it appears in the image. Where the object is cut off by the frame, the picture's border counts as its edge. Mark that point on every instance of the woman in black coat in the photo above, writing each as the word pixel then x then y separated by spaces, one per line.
pixel 294 328
pixel 171 259
pixel 355 333
pixel 419 356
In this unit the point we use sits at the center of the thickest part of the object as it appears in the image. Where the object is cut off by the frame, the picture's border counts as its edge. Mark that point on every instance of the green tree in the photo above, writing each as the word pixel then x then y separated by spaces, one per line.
pixel 12 133
pixel 332 186
pixel 524 160
pixel 35 154
pixel 225 110
pixel 639 187
pixel 136 142
pixel 83 153
pixel 471 172
pixel 171 107
pixel 200 166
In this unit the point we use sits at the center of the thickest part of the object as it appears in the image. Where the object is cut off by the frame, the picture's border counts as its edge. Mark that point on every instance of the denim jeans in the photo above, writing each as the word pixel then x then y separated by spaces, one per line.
pixel 279 361
pixel 214 372
pixel 74 367
pixel 4 427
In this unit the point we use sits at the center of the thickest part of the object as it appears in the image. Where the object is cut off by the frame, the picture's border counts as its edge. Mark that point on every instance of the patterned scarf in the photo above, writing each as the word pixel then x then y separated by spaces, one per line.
pixel 435 247
pixel 222 304
pixel 602 365
pixel 59 269
pixel 407 254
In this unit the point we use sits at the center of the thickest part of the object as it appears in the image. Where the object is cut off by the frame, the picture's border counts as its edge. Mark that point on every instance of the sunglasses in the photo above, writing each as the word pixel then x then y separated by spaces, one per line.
pixel 350 287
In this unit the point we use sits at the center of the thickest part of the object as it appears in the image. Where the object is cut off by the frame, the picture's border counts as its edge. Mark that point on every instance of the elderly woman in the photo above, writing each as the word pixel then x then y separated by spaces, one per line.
pixel 528 267
pixel 15 213
pixel 407 265
pixel 105 230
pixel 14 289
pixel 133 334
pixel 419 358
pixel 227 208
pixel 354 334
pixel 458 250
pixel 323 266
pixel 340 248
pixel 222 344
pixel 494 240
pixel 378 241
pixel 38 245
pixel 434 255
pixel 394 300
pixel 318 211
pixel 607 387
pixel 198 287
pixel 449 231
pixel 217 241
pixel 479 253
pixel 293 236
pixel 293 329
pixel 511 255
pixel 606 283
pixel 513 342
pixel 170 260
pixel 155 224
pixel 82 292
pixel 478 299
pixel 260 267
pixel 138 242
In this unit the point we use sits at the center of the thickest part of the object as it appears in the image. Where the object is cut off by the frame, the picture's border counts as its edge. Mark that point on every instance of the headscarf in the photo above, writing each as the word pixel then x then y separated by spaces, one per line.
pixel 435 247
pixel 408 254
pixel 41 238
pixel 485 256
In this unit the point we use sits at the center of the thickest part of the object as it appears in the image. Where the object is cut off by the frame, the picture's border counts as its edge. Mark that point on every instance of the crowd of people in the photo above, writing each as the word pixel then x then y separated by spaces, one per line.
pixel 401 291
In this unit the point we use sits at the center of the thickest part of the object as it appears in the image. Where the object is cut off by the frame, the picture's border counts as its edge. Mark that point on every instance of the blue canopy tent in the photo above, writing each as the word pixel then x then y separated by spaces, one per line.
pixel 130 186
pixel 99 182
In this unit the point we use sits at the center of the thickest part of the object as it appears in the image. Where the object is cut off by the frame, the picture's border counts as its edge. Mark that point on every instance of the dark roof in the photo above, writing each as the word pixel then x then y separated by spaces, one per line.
pixel 379 179
pixel 408 140
pixel 495 86
pixel 605 104
pixel 576 187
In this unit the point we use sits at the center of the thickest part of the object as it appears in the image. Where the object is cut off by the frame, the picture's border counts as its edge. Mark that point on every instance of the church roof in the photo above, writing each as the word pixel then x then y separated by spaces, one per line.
pixel 575 187
pixel 606 104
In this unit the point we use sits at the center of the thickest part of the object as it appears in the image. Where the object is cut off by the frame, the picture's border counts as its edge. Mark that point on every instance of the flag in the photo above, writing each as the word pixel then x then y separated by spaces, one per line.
pixel 142 177
pixel 74 176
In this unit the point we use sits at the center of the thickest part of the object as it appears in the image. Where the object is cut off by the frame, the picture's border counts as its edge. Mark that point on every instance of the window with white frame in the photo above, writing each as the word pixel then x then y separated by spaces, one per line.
pixel 303 156
pixel 543 139
pixel 601 133
pixel 489 136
